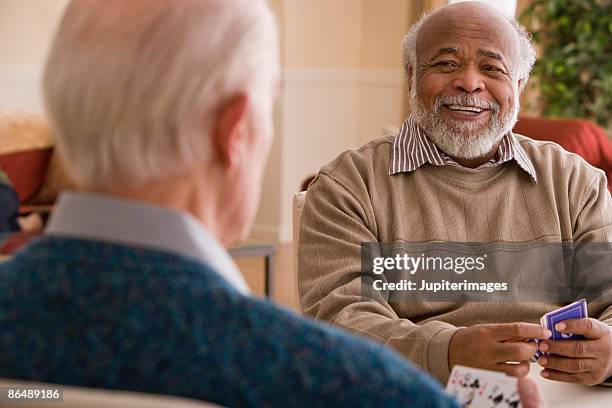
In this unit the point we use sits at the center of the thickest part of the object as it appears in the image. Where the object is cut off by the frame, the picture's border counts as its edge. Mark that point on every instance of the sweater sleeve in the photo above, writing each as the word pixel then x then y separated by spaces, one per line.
pixel 594 227
pixel 593 234
pixel 334 223
pixel 321 366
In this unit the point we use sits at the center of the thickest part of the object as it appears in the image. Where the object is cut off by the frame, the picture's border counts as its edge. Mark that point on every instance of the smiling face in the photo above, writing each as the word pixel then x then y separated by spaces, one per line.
pixel 464 91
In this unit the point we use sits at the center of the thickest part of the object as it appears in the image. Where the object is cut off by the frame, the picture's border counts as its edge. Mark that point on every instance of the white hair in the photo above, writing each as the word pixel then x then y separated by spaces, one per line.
pixel 466 140
pixel 132 87
pixel 527 53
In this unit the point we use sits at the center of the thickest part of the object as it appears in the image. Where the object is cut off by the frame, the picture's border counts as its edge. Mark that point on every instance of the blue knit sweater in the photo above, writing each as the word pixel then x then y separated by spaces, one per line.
pixel 92 314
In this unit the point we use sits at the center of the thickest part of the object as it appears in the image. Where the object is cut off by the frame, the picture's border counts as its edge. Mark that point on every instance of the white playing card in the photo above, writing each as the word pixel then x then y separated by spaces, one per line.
pixel 463 384
pixel 498 393
pixel 477 388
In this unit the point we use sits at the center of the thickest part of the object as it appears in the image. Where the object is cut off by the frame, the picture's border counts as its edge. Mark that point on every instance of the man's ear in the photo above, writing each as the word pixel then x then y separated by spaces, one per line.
pixel 230 129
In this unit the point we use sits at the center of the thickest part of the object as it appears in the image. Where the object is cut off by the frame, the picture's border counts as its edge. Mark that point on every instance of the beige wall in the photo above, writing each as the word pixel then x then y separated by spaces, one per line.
pixel 26 28
pixel 343 33
pixel 322 33
pixel 384 25
pixel 268 213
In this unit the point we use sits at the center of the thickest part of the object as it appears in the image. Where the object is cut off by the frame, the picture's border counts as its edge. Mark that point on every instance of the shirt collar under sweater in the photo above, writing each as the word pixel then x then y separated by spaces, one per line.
pixel 133 223
pixel 412 149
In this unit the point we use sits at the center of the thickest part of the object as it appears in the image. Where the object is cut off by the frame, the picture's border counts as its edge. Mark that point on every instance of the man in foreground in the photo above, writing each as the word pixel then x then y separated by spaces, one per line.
pixel 162 111
pixel 456 173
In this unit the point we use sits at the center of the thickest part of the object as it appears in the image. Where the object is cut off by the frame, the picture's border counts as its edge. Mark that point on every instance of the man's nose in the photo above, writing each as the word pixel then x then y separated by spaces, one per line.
pixel 469 80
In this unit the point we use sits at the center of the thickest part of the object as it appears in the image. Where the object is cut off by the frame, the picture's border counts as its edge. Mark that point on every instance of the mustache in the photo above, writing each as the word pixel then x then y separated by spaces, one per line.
pixel 465 99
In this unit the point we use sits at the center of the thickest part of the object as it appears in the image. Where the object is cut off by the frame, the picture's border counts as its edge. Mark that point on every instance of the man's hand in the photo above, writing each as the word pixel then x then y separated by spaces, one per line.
pixel 587 361
pixel 531 396
pixel 491 346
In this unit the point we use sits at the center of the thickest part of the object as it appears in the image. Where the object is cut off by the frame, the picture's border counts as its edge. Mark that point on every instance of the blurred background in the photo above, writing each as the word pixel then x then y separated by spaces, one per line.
pixel 342 84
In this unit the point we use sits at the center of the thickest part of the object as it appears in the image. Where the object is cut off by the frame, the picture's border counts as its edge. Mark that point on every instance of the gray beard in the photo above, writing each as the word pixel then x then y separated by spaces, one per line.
pixel 463 140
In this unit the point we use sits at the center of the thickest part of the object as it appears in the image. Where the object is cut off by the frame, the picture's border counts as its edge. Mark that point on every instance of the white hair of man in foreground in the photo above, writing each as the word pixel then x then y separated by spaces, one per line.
pixel 148 96
pixel 168 102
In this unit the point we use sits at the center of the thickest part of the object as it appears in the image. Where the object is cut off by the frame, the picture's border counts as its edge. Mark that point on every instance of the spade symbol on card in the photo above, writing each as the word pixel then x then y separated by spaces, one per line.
pixel 513 403
pixel 477 388
pixel 499 398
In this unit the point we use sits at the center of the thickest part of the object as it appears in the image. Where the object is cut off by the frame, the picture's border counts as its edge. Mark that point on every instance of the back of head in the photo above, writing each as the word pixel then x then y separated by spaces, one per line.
pixel 132 87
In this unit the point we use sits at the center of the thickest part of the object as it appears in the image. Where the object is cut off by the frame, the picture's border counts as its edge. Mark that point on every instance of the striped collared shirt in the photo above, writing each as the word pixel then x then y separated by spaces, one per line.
pixel 412 149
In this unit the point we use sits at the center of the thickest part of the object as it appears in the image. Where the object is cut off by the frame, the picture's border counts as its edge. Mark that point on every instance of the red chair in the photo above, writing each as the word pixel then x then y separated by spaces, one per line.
pixel 579 136
pixel 26 170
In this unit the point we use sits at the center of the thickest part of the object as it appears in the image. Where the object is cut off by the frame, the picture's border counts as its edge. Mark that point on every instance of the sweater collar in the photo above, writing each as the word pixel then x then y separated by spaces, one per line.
pixel 412 149
pixel 138 224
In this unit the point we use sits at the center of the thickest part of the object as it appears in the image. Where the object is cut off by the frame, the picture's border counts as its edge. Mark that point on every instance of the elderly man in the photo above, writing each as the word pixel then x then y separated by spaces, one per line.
pixel 162 111
pixel 456 173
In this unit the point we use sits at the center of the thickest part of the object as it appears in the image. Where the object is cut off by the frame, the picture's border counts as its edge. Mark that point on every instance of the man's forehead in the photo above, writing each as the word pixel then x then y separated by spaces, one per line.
pixel 452 49
pixel 481 28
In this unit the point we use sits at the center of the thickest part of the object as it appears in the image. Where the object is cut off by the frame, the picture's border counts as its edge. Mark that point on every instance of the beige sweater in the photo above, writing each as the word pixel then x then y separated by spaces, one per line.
pixel 354 200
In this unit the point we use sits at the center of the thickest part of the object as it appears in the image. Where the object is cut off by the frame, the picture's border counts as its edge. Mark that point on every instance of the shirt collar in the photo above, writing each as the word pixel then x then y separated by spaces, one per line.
pixel 412 149
pixel 133 223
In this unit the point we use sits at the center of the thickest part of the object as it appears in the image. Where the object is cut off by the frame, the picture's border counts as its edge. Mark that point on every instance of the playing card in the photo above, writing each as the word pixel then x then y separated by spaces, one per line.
pixel 463 384
pixel 538 353
pixel 575 310
pixel 497 393
pixel 477 388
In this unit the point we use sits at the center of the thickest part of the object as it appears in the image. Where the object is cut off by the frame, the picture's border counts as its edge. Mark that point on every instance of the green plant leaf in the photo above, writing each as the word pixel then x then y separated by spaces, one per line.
pixel 574 70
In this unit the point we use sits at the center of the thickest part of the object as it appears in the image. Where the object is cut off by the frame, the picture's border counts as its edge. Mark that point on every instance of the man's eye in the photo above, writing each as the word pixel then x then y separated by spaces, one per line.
pixel 492 68
pixel 446 64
